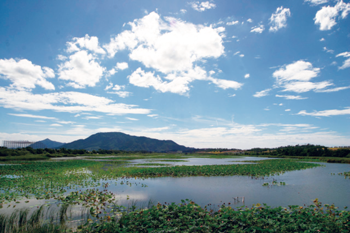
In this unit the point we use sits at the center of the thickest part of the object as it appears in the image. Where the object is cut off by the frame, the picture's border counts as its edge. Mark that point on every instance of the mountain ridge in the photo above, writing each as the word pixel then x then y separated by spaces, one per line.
pixel 126 142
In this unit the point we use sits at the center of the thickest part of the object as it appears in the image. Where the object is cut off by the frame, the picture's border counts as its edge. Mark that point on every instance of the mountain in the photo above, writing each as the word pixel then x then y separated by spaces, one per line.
pixel 121 141
pixel 47 143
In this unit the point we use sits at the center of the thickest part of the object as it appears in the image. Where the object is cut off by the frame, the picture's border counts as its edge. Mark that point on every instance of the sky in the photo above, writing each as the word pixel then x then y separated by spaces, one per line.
pixel 205 74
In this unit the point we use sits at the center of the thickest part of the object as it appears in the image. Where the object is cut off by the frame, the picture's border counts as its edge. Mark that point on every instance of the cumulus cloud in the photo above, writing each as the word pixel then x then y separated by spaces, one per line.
pixel 25 75
pixel 346 63
pixel 249 20
pixel 278 20
pixel 262 93
pixel 202 6
pixel 296 77
pixel 331 112
pixel 297 71
pixel 72 102
pixel 247 76
pixel 258 29
pixel 82 69
pixel 122 65
pixel 87 42
pixel 292 97
pixel 326 17
pixel 118 66
pixel 167 46
pixel 171 47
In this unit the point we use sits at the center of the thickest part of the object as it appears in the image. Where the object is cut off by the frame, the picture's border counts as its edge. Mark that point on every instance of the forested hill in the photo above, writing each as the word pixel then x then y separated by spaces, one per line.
pixel 47 143
pixel 125 142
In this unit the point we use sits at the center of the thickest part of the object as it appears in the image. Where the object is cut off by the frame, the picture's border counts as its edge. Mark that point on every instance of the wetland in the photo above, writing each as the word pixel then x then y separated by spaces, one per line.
pixel 102 192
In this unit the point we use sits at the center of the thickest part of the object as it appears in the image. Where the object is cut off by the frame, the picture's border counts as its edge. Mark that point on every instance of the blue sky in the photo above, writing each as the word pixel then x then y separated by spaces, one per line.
pixel 219 74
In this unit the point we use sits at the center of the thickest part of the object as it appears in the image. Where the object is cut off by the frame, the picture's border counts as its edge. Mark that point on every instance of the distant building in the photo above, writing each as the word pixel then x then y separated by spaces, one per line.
pixel 17 144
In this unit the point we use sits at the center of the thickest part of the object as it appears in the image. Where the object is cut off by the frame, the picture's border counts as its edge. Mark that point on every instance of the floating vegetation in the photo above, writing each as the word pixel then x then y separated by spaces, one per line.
pixel 274 183
pixel 261 168
pixel 190 217
pixel 172 160
pixel 152 164
pixel 345 174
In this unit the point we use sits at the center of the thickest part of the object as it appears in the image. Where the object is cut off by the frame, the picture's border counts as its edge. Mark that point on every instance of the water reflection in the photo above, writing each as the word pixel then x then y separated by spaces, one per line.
pixel 301 188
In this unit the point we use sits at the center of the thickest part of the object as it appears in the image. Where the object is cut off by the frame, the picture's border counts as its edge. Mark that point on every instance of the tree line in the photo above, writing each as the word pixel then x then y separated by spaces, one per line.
pixel 303 150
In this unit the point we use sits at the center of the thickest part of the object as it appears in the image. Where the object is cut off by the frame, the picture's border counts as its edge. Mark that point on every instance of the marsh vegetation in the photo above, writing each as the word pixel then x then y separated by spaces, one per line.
pixel 107 193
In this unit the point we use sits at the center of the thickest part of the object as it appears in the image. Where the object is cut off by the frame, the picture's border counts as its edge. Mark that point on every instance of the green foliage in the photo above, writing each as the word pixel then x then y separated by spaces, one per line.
pixel 261 168
pixel 302 150
pixel 190 217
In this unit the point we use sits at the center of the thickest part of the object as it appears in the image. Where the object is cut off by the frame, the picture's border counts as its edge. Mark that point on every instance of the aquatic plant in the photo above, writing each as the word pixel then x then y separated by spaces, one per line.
pixel 190 217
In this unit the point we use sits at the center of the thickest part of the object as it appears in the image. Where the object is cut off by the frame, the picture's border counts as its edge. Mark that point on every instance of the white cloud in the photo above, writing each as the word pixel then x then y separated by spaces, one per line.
pixel 225 84
pixel 24 75
pixel 262 93
pixel 141 78
pixel 202 6
pixel 326 17
pixel 332 112
pixel 241 55
pixel 82 70
pixel 346 63
pixel 118 87
pixel 131 119
pixel 292 97
pixel 296 77
pixel 249 20
pixel 61 57
pixel 334 89
pixel 247 76
pixel 171 47
pixel 278 20
pixel 236 53
pixel 122 65
pixel 258 29
pixel 297 71
pixel 109 86
pixel 232 23
pixel 118 66
pixel 92 117
pixel 328 50
pixel 72 102
pixel 287 110
pixel 121 94
pixel 33 116
pixel 56 125
pixel 301 87
pixel 183 11
pixel 66 122
pixel 87 42
pixel 316 2
pixel 322 39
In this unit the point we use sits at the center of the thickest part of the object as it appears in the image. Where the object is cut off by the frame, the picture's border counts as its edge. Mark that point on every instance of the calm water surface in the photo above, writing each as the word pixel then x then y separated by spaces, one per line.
pixel 301 188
